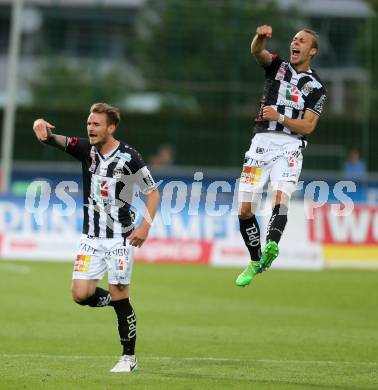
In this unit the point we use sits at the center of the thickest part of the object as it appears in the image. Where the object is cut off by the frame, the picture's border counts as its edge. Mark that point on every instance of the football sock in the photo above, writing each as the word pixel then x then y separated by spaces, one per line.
pixel 100 298
pixel 126 325
pixel 250 231
pixel 277 223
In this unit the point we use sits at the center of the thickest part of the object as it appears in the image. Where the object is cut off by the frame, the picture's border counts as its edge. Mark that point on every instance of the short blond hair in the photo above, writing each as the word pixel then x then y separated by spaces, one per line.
pixel 315 37
pixel 113 115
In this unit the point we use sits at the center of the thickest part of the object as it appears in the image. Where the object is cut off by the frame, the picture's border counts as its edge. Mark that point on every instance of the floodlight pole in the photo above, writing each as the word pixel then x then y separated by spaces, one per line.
pixel 11 94
pixel 366 129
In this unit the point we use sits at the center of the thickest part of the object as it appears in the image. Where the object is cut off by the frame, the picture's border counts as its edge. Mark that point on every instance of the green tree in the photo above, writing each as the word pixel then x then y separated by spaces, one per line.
pixel 202 48
pixel 65 86
pixel 373 4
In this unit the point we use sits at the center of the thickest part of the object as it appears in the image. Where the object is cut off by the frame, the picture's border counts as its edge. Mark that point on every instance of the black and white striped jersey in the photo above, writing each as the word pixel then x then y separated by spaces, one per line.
pixel 290 93
pixel 109 186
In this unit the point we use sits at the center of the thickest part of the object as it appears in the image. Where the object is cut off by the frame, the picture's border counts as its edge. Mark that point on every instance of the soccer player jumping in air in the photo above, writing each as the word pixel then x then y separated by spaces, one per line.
pixel 110 170
pixel 290 108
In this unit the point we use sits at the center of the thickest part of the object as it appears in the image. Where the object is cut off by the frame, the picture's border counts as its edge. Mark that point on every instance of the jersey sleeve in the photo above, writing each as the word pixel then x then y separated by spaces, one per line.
pixel 272 68
pixel 77 147
pixel 315 101
pixel 142 176
pixel 144 180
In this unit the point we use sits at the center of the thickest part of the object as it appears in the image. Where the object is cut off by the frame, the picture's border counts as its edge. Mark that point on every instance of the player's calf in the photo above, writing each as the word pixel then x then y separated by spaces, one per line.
pixel 126 325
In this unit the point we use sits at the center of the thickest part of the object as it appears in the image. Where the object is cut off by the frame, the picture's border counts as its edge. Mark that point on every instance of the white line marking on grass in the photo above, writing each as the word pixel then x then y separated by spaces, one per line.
pixel 15 268
pixel 189 359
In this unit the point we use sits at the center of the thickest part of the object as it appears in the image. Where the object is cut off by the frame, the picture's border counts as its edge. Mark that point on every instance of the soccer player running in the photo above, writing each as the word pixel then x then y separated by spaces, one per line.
pixel 290 108
pixel 110 170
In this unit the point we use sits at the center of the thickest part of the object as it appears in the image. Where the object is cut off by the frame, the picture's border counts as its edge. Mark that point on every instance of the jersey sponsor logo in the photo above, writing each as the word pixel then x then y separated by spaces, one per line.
pixel 320 103
pixel 87 248
pixel 291 162
pixel 131 321
pixel 291 97
pixel 292 93
pixel 250 175
pixel 92 154
pixel 288 103
pixel 293 169
pixel 103 189
pixel 281 71
pixel 147 178
pixel 104 301
pixel 253 162
pixel 73 141
pixel 117 173
pixel 82 263
pixel 124 156
pixel 120 264
pixel 307 88
pixel 149 181
pixel 118 252
pixel 292 159
pixel 290 175
pixel 292 153
pixel 253 234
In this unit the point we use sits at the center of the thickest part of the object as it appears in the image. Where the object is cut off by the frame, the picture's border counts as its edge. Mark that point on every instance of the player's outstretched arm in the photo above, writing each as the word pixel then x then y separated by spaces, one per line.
pixel 258 45
pixel 42 130
pixel 139 235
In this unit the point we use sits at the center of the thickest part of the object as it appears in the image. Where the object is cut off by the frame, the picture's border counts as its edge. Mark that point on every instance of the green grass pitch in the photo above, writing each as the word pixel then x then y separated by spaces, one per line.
pixel 196 330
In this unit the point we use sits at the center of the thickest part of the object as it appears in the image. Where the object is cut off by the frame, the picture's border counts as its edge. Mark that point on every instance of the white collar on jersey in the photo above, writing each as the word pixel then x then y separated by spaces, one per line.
pixel 106 156
pixel 291 67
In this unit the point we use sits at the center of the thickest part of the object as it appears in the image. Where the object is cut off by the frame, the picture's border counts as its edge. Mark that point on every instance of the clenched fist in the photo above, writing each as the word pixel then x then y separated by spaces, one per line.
pixel 264 31
pixel 270 114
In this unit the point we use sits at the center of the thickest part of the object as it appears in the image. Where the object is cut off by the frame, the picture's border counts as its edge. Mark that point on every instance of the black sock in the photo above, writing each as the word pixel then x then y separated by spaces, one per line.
pixel 100 298
pixel 277 223
pixel 126 325
pixel 250 231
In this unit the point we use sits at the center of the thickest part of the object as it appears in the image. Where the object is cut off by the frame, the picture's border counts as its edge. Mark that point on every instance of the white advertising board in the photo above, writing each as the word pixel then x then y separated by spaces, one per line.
pixel 200 238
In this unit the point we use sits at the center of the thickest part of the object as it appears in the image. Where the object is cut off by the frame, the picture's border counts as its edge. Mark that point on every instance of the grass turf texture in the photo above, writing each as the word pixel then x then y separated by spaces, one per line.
pixel 196 330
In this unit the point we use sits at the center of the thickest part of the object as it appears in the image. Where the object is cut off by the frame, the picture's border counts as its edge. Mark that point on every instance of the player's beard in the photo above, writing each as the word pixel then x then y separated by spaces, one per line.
pixel 97 141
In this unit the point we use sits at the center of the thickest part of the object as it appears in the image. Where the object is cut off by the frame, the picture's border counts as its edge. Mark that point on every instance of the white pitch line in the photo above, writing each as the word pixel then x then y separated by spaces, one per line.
pixel 172 358
pixel 15 268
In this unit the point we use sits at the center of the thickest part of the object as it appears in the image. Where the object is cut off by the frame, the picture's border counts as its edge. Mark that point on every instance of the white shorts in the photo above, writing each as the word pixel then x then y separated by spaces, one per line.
pixel 99 255
pixel 274 158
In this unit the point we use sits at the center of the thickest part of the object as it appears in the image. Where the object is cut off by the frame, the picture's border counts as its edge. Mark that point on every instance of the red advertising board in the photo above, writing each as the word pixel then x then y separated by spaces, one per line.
pixel 360 227
pixel 175 251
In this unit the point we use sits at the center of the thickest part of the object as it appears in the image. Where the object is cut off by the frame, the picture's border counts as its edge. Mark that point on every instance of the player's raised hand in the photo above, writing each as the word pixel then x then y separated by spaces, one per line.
pixel 258 45
pixel 264 31
pixel 42 129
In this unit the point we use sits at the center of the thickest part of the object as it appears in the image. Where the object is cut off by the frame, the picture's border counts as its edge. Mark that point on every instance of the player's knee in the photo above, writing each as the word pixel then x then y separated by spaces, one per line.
pixel 81 290
pixel 121 287
pixel 283 191
pixel 78 297
pixel 245 211
pixel 119 291
pixel 245 214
